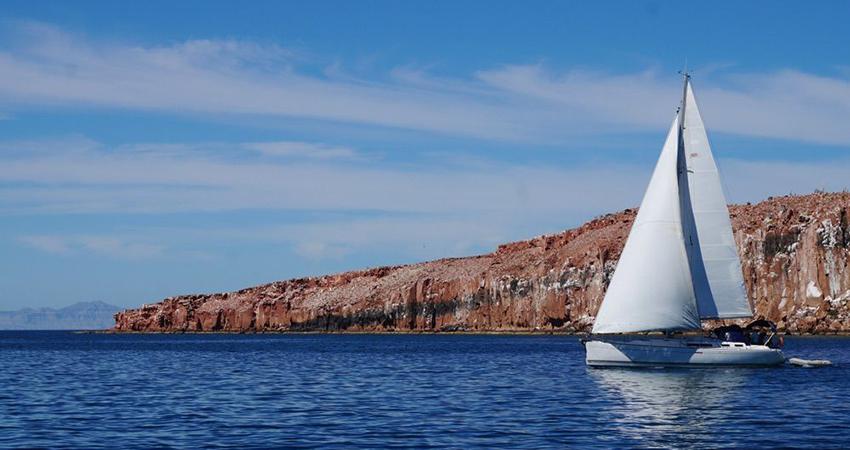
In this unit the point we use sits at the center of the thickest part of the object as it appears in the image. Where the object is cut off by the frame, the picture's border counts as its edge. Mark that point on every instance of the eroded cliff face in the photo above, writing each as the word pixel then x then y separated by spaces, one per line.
pixel 794 251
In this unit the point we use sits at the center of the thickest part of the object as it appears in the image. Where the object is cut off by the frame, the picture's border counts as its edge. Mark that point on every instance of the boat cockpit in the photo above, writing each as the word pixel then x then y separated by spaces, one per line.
pixel 759 332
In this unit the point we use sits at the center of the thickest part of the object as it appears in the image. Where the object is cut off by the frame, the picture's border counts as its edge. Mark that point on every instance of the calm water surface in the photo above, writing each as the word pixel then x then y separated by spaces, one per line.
pixel 403 391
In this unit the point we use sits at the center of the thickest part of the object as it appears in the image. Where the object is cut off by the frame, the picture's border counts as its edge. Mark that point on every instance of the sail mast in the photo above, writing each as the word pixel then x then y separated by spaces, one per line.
pixel 682 168
pixel 686 79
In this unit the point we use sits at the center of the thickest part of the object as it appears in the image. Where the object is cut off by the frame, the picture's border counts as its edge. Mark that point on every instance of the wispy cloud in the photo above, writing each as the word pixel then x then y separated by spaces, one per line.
pixel 110 246
pixel 319 250
pixel 95 178
pixel 227 77
pixel 46 65
pixel 83 176
pixel 788 104
pixel 297 149
pixel 50 244
pixel 415 225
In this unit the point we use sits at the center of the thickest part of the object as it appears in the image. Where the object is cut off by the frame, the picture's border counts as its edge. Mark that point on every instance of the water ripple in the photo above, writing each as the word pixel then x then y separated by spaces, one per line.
pixel 409 391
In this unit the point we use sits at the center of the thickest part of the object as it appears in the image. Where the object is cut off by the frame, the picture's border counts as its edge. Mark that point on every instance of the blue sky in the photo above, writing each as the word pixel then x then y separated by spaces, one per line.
pixel 149 149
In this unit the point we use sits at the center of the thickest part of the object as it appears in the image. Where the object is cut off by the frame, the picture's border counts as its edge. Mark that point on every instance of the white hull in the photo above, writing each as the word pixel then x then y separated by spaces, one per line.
pixel 634 351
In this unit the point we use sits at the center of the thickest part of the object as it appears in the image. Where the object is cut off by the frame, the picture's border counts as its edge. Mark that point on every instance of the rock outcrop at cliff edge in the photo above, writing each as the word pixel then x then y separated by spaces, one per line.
pixel 794 251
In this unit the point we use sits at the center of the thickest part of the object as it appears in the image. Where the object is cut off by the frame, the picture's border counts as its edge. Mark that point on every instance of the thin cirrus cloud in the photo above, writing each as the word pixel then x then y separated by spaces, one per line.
pixel 295 149
pixel 419 227
pixel 110 246
pixel 418 237
pixel 79 175
pixel 83 176
pixel 417 212
pixel 46 65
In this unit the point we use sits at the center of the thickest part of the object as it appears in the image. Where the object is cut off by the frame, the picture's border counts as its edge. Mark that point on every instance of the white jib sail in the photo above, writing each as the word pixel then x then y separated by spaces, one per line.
pixel 728 296
pixel 651 288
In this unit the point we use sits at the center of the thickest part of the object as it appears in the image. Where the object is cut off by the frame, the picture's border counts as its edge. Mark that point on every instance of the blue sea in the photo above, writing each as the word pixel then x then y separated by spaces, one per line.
pixel 67 390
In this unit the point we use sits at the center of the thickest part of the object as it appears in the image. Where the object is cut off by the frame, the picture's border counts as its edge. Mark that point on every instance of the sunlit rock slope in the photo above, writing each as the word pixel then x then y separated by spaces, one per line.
pixel 794 251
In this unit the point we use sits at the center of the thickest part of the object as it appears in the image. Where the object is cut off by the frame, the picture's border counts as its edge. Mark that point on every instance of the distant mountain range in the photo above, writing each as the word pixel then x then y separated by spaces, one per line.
pixel 79 316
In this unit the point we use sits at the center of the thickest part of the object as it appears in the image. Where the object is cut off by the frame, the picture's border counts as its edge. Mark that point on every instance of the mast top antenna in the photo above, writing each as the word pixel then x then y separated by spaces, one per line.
pixel 684 72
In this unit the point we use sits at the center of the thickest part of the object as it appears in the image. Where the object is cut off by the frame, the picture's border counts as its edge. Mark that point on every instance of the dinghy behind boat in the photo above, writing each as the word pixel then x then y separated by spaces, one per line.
pixel 809 363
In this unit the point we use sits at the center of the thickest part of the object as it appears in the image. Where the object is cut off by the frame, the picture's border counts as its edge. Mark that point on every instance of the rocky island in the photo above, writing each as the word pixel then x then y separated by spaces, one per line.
pixel 794 252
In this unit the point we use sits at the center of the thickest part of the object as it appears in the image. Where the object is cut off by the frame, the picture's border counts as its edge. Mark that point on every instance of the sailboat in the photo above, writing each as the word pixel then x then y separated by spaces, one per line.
pixel 679 266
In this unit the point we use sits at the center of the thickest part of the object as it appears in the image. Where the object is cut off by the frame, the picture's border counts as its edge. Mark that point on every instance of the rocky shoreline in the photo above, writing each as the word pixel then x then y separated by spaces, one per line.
pixel 794 255
pixel 554 332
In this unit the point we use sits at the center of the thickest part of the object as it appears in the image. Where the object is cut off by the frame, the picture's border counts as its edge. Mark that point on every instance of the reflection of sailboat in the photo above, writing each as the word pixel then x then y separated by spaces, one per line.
pixel 679 266
pixel 670 403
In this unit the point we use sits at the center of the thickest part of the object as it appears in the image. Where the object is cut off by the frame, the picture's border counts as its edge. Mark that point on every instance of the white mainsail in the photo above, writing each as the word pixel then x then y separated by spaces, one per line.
pixel 651 288
pixel 727 295
pixel 680 263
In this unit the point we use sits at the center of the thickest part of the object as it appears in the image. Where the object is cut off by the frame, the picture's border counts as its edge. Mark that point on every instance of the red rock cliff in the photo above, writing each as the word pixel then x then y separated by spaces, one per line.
pixel 794 251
